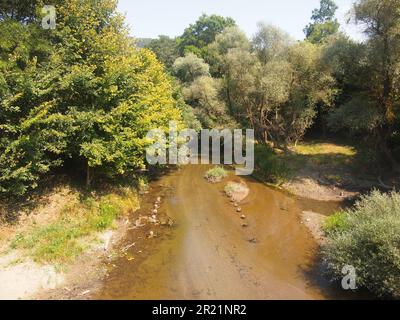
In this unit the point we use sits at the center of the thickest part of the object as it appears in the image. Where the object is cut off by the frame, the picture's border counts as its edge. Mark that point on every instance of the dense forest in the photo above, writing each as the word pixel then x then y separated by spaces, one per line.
pixel 85 94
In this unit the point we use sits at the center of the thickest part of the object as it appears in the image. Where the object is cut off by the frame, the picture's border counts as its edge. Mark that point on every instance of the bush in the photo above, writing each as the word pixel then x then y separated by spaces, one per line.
pixel 216 174
pixel 368 238
pixel 336 222
pixel 268 166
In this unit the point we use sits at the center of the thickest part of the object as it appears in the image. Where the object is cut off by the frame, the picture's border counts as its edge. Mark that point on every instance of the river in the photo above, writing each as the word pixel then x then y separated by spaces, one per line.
pixel 208 254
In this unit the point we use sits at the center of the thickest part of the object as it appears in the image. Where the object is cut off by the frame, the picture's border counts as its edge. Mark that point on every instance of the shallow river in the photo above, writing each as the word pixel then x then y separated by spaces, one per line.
pixel 209 255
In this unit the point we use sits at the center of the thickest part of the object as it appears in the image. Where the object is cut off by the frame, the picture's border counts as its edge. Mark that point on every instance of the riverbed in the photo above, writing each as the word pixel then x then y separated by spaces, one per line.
pixel 212 253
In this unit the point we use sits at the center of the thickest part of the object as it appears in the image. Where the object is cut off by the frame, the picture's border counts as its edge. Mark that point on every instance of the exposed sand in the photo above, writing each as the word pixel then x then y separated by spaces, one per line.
pixel 19 279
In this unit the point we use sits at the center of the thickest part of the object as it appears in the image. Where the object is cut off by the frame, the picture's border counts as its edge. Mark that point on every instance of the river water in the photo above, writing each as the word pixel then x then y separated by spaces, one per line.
pixel 209 255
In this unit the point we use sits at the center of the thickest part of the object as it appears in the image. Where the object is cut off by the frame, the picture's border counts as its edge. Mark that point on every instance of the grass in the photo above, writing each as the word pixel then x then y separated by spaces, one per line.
pixel 335 222
pixel 322 154
pixel 216 174
pixel 324 148
pixel 65 238
pixel 336 163
pixel 229 189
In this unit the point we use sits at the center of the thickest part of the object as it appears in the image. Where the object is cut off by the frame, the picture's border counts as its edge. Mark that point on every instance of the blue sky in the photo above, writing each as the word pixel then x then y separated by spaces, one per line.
pixel 150 18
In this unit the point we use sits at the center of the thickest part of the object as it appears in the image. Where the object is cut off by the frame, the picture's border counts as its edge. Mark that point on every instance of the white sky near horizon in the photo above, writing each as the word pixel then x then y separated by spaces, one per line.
pixel 150 18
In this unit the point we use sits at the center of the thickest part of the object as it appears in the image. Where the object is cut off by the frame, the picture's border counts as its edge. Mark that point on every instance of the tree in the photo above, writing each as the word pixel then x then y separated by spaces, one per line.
pixel 324 23
pixel 270 42
pixel 166 50
pixel 203 94
pixel 197 36
pixel 275 87
pixel 190 67
pixel 82 94
pixel 19 10
pixel 373 104
pixel 230 38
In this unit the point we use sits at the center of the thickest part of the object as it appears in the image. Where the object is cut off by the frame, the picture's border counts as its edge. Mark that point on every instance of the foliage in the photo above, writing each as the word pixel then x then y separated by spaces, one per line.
pixel 268 166
pixel 277 87
pixel 372 107
pixel 368 238
pixel 190 67
pixel 229 38
pixel 197 36
pixel 324 23
pixel 81 93
pixel 166 50
pixel 335 223
pixel 270 42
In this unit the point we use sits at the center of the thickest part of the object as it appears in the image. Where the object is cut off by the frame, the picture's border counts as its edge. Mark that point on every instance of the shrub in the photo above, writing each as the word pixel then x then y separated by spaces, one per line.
pixel 216 174
pixel 268 166
pixel 368 238
pixel 335 222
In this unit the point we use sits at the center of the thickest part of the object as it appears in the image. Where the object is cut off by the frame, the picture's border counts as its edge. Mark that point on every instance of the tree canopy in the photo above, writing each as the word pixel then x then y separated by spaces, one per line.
pixel 323 22
pixel 81 93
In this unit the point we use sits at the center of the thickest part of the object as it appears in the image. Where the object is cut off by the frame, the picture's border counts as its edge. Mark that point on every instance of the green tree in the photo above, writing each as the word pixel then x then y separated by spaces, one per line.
pixel 323 22
pixel 369 75
pixel 275 87
pixel 19 10
pixel 270 42
pixel 230 38
pixel 190 67
pixel 197 36
pixel 83 94
pixel 367 237
pixel 166 50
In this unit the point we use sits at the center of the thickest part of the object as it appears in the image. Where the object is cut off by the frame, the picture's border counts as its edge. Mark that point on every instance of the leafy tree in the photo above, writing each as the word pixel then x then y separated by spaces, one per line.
pixel 190 67
pixel 204 95
pixel 324 23
pixel 230 38
pixel 372 104
pixel 19 10
pixel 197 36
pixel 81 94
pixel 275 87
pixel 270 42
pixel 166 50
pixel 26 143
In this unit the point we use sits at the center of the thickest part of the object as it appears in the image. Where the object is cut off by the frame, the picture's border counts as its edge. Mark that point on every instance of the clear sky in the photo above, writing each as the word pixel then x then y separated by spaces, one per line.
pixel 150 18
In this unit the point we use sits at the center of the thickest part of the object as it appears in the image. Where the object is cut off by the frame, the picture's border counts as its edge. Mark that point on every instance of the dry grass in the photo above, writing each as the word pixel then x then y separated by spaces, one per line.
pixel 61 230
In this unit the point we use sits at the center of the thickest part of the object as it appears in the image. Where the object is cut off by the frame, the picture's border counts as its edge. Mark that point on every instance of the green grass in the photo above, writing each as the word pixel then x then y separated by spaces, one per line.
pixel 216 174
pixel 321 154
pixel 334 160
pixel 229 189
pixel 336 222
pixel 67 237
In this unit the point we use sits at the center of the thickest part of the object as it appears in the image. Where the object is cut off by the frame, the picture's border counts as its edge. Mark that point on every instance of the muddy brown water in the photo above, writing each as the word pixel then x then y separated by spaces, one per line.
pixel 209 255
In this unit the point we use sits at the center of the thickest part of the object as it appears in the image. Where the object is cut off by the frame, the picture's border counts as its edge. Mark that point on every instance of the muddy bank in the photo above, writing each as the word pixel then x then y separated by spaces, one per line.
pixel 309 188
